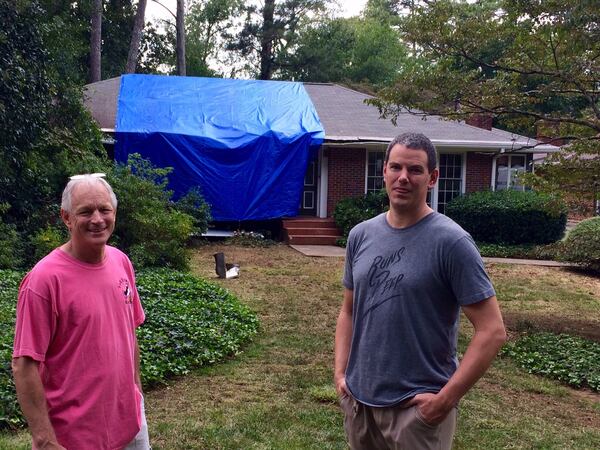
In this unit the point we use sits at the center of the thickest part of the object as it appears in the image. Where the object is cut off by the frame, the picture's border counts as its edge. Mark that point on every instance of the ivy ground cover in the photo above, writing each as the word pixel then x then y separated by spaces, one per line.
pixel 189 323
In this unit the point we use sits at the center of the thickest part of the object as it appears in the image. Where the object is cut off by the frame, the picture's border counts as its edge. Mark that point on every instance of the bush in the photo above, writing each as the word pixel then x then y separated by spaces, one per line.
pixel 189 323
pixel 194 205
pixel 351 211
pixel 150 227
pixel 510 217
pixel 572 360
pixel 582 244
pixel 548 252
pixel 10 412
pixel 47 239
pixel 10 243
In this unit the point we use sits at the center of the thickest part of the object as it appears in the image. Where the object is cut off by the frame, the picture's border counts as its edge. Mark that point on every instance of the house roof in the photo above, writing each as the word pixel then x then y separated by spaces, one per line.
pixel 346 118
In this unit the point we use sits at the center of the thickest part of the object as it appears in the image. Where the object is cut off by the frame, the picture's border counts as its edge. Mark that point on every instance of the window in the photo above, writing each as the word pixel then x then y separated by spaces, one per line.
pixel 508 167
pixel 450 182
pixel 375 171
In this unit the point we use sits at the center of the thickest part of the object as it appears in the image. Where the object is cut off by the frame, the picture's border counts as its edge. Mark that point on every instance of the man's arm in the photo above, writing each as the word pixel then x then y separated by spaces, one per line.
pixel 343 336
pixel 488 338
pixel 31 396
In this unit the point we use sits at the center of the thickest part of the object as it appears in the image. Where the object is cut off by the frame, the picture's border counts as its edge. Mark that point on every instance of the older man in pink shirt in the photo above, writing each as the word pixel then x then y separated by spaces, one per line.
pixel 75 355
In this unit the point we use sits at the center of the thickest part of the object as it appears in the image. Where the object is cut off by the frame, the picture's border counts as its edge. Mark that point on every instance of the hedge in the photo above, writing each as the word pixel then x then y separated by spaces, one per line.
pixel 189 323
pixel 352 211
pixel 510 217
pixel 582 244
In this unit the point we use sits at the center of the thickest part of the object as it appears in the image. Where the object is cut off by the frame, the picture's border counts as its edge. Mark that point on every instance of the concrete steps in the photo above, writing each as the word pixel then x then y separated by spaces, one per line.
pixel 310 231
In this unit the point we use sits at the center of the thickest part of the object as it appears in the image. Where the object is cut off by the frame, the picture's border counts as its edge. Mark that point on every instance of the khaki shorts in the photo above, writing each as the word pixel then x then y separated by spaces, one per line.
pixel 395 427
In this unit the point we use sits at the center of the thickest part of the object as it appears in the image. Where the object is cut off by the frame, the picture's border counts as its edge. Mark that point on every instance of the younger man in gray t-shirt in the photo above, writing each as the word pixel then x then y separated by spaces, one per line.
pixel 408 273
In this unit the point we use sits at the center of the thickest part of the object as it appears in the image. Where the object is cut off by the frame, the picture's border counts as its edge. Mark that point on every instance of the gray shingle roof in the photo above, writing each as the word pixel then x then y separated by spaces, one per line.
pixel 346 118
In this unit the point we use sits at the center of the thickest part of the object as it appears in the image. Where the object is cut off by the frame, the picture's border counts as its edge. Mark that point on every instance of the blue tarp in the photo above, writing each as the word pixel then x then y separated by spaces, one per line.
pixel 245 143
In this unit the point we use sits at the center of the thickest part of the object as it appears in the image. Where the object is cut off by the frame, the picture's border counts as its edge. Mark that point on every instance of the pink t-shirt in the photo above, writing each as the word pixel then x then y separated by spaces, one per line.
pixel 79 321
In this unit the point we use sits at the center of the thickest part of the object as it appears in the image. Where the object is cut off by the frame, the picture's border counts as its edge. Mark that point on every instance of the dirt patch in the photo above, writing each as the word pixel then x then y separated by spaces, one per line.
pixel 528 322
pixel 574 410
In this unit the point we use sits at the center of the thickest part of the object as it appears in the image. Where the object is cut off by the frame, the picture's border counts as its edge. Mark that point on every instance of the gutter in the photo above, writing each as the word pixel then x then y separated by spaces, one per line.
pixel 508 146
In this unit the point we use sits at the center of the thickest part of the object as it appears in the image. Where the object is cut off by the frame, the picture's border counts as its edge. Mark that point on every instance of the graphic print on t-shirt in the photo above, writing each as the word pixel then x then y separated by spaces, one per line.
pixel 125 290
pixel 384 277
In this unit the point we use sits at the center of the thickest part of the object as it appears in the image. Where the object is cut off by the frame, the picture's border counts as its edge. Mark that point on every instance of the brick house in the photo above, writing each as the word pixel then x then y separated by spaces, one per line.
pixel 473 156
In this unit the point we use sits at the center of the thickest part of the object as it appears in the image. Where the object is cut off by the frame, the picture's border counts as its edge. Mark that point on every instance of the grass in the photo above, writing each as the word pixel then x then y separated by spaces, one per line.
pixel 277 394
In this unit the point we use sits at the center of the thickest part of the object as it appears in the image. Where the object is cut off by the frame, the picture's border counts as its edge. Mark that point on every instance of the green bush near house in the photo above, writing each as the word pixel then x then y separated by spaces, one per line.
pixel 510 217
pixel 351 211
pixel 152 229
pixel 189 323
pixel 524 251
pixel 582 244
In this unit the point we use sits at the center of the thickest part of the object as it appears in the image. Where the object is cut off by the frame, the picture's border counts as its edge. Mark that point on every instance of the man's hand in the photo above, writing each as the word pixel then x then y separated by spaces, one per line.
pixel 431 407
pixel 340 385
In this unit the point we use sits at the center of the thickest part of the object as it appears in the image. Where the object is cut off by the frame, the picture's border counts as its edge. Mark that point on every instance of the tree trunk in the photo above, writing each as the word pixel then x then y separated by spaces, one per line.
pixel 136 37
pixel 180 26
pixel 266 41
pixel 96 41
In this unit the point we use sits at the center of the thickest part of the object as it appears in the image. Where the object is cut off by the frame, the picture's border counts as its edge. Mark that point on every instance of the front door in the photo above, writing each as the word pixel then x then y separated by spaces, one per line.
pixel 308 202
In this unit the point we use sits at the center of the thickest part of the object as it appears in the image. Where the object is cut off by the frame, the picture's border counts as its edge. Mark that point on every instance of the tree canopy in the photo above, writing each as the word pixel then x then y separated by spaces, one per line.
pixel 532 64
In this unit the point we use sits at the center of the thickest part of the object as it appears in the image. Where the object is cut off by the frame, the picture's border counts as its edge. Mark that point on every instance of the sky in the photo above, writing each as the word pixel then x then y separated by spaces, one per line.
pixel 348 8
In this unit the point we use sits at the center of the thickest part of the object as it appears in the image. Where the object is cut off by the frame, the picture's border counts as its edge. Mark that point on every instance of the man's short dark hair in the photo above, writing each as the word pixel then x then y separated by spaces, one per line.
pixel 415 141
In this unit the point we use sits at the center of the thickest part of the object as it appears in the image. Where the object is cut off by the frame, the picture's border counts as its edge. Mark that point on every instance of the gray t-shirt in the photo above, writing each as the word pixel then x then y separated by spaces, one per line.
pixel 408 286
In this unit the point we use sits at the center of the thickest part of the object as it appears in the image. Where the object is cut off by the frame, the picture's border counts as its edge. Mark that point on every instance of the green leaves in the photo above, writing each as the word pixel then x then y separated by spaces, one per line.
pixel 510 217
pixel 189 323
pixel 572 360
pixel 351 211
pixel 582 244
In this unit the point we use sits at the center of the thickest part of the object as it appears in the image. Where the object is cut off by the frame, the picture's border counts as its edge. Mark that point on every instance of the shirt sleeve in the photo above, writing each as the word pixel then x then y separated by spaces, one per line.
pixel 35 325
pixel 467 276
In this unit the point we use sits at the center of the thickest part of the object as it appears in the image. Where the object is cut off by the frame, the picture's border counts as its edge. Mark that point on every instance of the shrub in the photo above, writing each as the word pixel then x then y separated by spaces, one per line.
pixel 150 228
pixel 572 360
pixel 10 243
pixel 351 211
pixel 582 244
pixel 194 205
pixel 526 251
pixel 189 323
pixel 47 239
pixel 510 217
pixel 10 412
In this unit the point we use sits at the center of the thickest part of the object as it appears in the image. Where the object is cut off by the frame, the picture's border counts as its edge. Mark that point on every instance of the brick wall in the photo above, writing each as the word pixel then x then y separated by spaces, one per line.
pixel 346 176
pixel 479 172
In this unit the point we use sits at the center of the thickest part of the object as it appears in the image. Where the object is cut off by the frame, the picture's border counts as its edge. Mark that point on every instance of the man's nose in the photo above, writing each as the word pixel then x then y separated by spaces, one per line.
pixel 96 216
pixel 403 176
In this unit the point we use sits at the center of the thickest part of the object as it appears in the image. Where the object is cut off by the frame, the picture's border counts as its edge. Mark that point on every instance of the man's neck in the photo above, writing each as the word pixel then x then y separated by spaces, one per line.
pixel 404 219
pixel 89 255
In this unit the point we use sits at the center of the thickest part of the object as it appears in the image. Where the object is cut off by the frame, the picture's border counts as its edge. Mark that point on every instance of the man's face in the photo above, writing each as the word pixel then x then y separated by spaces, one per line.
pixel 91 220
pixel 407 178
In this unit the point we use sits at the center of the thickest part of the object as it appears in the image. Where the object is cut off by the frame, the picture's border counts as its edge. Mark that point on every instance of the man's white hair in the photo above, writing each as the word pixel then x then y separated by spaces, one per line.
pixel 88 179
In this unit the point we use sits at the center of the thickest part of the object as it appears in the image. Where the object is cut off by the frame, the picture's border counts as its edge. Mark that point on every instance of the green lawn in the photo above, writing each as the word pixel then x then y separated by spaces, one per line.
pixel 277 394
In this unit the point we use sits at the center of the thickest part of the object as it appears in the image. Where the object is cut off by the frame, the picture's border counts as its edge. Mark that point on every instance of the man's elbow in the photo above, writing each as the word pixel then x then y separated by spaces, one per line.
pixel 22 366
pixel 498 336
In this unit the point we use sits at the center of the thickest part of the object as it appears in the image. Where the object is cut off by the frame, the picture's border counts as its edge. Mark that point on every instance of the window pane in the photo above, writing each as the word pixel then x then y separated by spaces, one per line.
pixel 375 171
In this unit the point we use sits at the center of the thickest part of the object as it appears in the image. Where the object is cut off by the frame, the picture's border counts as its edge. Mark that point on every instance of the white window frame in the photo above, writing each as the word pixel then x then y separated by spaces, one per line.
pixel 435 189
pixel 495 166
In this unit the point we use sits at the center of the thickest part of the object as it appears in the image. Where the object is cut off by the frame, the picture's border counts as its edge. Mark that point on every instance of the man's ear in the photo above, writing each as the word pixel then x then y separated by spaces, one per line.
pixel 66 218
pixel 433 177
